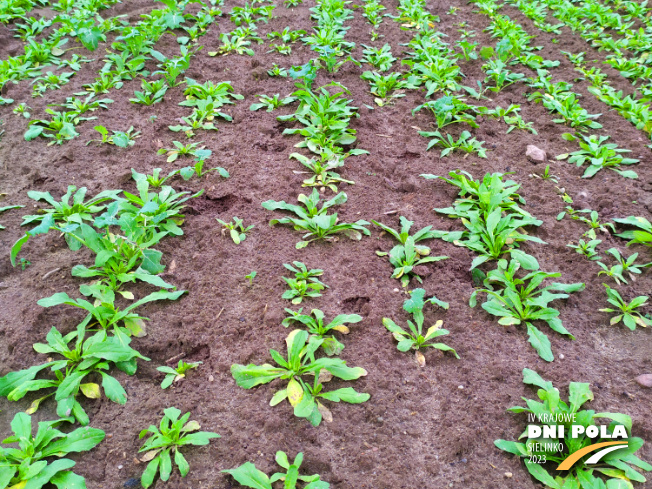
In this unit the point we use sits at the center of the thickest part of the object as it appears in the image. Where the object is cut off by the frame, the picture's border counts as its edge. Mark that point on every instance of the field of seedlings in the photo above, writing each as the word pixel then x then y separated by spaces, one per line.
pixel 325 243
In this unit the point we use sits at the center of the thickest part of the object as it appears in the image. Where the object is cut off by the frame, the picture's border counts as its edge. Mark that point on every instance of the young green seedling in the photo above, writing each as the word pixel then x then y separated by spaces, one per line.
pixel 173 375
pixel 379 58
pixel 87 357
pixel 546 175
pixel 304 284
pixel 152 92
pixel 314 323
pixel 60 128
pixel 50 81
pixel 385 88
pixel 119 138
pixel 593 221
pixel 465 143
pixel 251 277
pixel 8 208
pixel 323 176
pixel 519 301
pixel 22 109
pixel 553 412
pixel 276 70
pixel 448 110
pixel 626 312
pixel 642 235
pixel 271 103
pixel 28 465
pixel 587 248
pixel 415 339
pixel 121 259
pixel 174 432
pixel 599 156
pixel 236 228
pixel 84 105
pixel 187 150
pixel 303 397
pixel 284 49
pixel 236 43
pixel 103 314
pixel 316 220
pixel 64 214
pixel 407 255
pixel 150 211
pixel 248 475
pixel 287 35
pixel 624 265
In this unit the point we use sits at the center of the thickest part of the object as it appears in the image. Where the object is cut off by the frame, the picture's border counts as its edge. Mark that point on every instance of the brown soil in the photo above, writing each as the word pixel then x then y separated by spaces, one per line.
pixel 427 428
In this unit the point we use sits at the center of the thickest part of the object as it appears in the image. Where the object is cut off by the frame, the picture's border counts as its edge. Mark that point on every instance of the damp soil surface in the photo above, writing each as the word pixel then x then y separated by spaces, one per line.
pixel 430 427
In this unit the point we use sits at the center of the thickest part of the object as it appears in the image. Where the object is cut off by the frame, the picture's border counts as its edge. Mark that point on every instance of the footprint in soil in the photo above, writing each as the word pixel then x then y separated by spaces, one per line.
pixel 358 305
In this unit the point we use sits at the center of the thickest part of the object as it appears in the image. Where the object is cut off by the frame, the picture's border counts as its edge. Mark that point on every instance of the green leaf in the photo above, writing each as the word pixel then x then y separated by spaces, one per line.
pixel 512 447
pixel 248 475
pixel 528 262
pixel 80 440
pixel 540 474
pixel 147 479
pixel 622 419
pixel 252 375
pixel 346 394
pixel 619 484
pixel 182 463
pixel 45 475
pixel 113 390
pixel 68 480
pixel 578 394
pixel 540 342
pixel 14 379
pixel 34 131
pixel 200 438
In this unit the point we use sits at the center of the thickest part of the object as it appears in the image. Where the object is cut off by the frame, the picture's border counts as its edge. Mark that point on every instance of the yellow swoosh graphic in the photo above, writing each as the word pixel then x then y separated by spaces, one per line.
pixel 570 461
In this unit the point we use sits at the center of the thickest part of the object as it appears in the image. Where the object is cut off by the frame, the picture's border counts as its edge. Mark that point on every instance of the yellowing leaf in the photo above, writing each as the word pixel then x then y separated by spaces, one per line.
pixel 136 326
pixel 434 328
pixel 192 426
pixel 90 390
pixel 295 392
pixel 149 455
pixel 325 412
pixel 342 329
pixel 421 360
pixel 325 376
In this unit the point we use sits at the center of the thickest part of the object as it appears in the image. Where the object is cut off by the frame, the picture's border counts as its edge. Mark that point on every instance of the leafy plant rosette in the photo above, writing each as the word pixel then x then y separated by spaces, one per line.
pixel 304 397
pixel 616 465
pixel 414 338
pixel 174 432
pixel 27 467
pixel 249 476
pixel 316 220
pixel 519 301
pixel 87 357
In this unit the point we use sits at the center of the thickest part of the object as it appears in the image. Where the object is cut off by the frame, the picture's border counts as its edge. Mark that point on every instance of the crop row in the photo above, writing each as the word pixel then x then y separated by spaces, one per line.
pixel 122 230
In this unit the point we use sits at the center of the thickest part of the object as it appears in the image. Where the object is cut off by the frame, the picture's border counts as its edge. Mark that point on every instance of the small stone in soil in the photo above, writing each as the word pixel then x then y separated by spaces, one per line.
pixel 535 155
pixel 645 380
pixel 132 482
pixel 508 475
